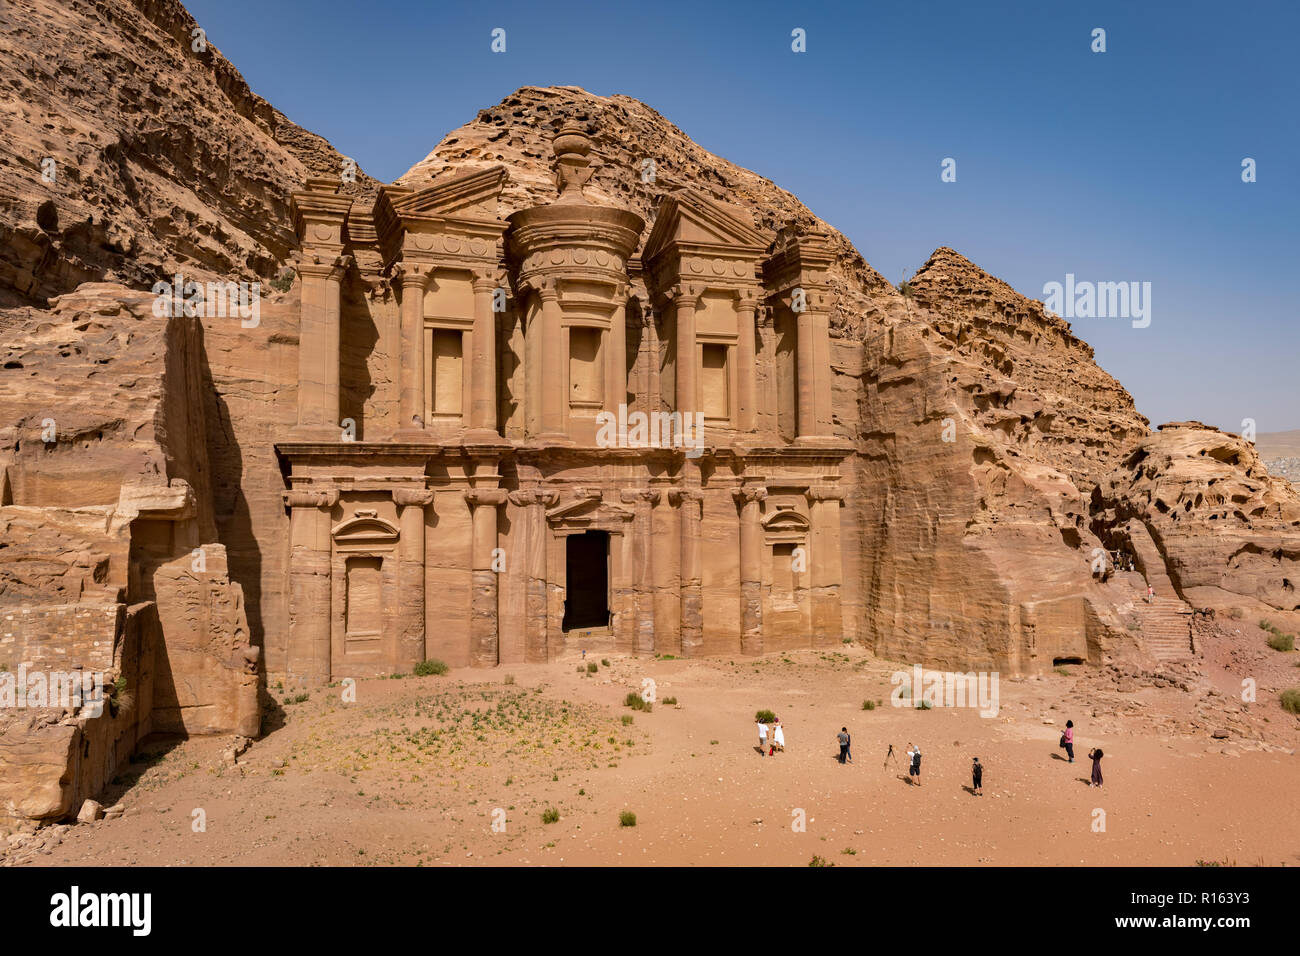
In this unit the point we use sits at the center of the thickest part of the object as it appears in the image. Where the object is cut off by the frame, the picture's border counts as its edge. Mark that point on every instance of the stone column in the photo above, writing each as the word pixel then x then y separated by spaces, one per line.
pixel 616 390
pixel 688 395
pixel 814 359
pixel 411 504
pixel 750 498
pixel 690 503
pixel 310 607
pixel 665 555
pixel 552 375
pixel 643 575
pixel 825 565
pixel 484 637
pixel 483 383
pixel 534 502
pixel 747 362
pixel 318 348
pixel 413 279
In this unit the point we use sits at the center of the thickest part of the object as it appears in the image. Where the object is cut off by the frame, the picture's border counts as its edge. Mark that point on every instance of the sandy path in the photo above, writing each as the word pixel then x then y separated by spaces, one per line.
pixel 345 784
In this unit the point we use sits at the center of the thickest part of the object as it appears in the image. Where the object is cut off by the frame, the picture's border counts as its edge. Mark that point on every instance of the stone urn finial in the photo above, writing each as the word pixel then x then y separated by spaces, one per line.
pixel 572 147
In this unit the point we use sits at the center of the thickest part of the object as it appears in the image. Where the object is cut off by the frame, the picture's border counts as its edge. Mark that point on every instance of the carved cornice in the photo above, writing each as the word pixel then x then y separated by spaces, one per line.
pixel 323 266
pixel 747 494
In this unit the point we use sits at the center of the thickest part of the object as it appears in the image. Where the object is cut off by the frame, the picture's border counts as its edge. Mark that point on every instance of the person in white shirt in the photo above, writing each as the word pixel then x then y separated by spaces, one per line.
pixel 762 737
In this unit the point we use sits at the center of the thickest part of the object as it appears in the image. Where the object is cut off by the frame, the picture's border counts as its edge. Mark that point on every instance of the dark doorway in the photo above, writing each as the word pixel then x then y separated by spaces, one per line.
pixel 586 601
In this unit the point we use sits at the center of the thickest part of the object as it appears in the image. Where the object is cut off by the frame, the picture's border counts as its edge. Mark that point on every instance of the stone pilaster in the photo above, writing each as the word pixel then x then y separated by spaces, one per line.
pixel 411 504
pixel 318 348
pixel 310 612
pixel 616 388
pixel 688 389
pixel 534 501
pixel 825 566
pixel 750 499
pixel 412 279
pixel 484 637
pixel 643 574
pixel 689 501
pixel 483 381
pixel 746 362
pixel 551 352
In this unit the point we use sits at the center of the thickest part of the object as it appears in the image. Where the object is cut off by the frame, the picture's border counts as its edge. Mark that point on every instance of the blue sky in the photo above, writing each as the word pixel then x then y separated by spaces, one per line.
pixel 1115 166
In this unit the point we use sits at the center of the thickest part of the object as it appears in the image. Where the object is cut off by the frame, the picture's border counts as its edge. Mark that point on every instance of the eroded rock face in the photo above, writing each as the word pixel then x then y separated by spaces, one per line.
pixel 162 158
pixel 108 563
pixel 1227 531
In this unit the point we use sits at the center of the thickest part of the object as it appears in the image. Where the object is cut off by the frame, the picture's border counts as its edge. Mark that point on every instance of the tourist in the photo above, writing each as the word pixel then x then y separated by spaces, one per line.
pixel 914 767
pixel 1095 756
pixel 1068 739
pixel 848 747
pixel 778 737
pixel 762 737
pixel 1151 594
pixel 843 737
pixel 977 777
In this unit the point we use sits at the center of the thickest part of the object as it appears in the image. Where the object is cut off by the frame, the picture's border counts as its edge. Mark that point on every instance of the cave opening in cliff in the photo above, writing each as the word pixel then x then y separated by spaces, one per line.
pixel 1058 661
pixel 586 601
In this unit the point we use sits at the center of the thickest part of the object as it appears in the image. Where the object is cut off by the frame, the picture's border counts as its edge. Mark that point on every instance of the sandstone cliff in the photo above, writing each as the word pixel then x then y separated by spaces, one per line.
pixel 162 158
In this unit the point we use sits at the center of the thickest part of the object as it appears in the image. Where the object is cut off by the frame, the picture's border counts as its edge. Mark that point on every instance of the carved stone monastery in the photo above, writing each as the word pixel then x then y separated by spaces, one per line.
pixel 513 512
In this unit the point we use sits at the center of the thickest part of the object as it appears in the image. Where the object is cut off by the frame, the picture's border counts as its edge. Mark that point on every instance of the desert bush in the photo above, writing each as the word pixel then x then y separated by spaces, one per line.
pixel 670 701
pixel 636 702
pixel 550 815
pixel 819 861
pixel 868 705
pixel 627 819
pixel 430 666
pixel 1291 700
pixel 604 662
pixel 593 667
pixel 765 717
pixel 627 719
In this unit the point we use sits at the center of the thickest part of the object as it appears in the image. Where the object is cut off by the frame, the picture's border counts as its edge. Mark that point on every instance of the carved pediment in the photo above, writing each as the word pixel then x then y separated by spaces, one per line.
pixel 472 195
pixel 786 519
pixel 589 512
pixel 364 529
pixel 691 219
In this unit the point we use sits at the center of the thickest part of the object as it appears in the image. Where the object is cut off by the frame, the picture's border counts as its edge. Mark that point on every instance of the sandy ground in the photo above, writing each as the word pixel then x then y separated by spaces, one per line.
pixel 417 770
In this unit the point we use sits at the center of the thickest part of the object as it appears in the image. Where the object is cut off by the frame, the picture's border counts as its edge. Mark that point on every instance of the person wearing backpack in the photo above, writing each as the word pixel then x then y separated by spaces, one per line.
pixel 914 770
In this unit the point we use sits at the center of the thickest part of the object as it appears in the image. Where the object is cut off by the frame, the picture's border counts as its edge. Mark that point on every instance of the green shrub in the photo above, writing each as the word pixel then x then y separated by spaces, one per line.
pixel 819 861
pixel 604 662
pixel 1291 700
pixel 627 719
pixel 868 705
pixel 550 815
pixel 593 667
pixel 635 701
pixel 765 717
pixel 431 666
pixel 627 819
pixel 670 701
pixel 1282 642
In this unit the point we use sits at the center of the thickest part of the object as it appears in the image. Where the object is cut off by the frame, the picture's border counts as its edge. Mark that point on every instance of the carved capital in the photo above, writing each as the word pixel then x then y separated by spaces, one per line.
pixel 526 497
pixel 825 493
pixel 412 275
pixel 304 498
pixel 679 496
pixel 487 281
pixel 330 267
pixel 491 497
pixel 587 494
pixel 750 493
pixel 405 497
pixel 634 495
